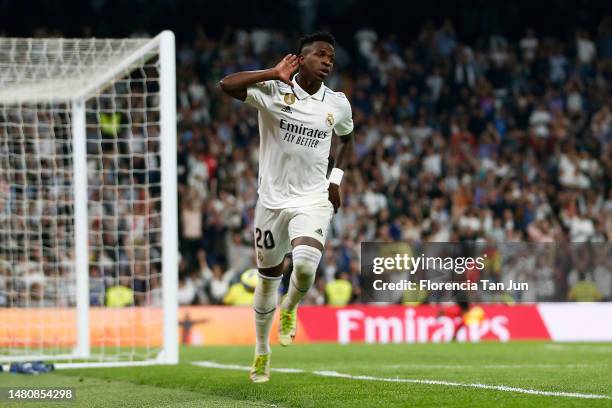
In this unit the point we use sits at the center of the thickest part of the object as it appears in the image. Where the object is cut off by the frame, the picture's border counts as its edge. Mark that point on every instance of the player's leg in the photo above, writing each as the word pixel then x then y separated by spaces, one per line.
pixel 307 231
pixel 264 305
pixel 271 245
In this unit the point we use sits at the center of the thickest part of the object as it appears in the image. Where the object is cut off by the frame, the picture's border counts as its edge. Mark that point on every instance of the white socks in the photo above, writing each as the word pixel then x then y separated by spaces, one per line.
pixel 305 262
pixel 264 304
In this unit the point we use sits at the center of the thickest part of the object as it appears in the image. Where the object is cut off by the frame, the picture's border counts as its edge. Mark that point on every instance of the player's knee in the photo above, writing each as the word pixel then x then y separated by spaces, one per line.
pixel 304 267
pixel 272 272
pixel 306 260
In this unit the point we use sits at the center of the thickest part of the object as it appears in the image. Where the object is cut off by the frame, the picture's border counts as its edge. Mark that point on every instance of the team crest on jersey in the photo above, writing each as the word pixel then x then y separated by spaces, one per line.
pixel 329 119
pixel 289 99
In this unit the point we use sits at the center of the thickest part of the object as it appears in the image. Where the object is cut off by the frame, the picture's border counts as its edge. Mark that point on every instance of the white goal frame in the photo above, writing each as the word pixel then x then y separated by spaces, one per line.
pixel 165 43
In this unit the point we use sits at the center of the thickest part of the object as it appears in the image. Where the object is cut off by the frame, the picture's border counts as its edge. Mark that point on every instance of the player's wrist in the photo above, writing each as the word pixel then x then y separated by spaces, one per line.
pixel 275 73
pixel 335 177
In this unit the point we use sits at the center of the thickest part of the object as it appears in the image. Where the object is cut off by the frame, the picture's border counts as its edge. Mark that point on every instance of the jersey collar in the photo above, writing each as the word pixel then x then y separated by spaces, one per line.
pixel 302 94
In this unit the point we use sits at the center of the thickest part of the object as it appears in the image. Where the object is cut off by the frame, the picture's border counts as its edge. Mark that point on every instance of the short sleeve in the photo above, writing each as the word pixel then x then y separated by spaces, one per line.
pixel 260 95
pixel 344 126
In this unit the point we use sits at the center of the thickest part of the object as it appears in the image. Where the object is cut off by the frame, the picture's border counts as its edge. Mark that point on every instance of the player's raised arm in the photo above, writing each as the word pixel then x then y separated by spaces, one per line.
pixel 236 84
pixel 345 153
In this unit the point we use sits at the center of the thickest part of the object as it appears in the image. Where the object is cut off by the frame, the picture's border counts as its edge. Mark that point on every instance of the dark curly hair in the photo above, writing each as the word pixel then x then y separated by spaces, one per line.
pixel 319 36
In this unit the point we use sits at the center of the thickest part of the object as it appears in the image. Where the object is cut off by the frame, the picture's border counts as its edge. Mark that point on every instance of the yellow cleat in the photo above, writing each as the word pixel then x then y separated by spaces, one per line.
pixel 287 326
pixel 260 371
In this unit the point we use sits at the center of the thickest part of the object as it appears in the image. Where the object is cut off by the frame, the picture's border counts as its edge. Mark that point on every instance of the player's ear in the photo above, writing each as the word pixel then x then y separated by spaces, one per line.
pixel 301 59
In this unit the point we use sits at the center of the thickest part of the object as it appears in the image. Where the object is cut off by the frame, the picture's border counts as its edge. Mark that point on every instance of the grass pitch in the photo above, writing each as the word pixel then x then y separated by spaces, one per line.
pixel 530 374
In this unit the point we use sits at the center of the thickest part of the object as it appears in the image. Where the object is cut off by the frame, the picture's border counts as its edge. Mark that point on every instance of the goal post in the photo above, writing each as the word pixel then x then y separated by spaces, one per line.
pixel 81 249
pixel 169 354
pixel 88 200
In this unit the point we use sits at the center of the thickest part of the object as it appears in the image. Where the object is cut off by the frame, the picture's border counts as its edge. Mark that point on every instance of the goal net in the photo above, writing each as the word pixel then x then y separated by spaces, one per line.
pixel 88 241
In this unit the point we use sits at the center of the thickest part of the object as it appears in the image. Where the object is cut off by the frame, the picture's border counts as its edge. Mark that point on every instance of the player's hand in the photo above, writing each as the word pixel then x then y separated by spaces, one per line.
pixel 286 68
pixel 334 196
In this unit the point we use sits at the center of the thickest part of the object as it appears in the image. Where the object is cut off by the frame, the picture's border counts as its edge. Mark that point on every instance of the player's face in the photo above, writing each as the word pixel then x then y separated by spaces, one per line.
pixel 317 60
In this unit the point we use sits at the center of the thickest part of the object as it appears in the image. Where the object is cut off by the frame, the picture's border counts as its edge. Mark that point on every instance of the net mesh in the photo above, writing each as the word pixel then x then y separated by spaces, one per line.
pixel 57 69
pixel 38 78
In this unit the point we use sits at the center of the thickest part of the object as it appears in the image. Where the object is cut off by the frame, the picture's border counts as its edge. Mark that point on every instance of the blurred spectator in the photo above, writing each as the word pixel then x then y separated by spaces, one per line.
pixel 154 295
pixel 4 285
pixel 584 290
pixel 187 290
pixel 241 293
pixel 217 285
pixel 191 217
pixel 97 287
pixel 316 294
pixel 529 45
pixel 241 256
pixel 339 291
pixel 120 295
pixel 585 48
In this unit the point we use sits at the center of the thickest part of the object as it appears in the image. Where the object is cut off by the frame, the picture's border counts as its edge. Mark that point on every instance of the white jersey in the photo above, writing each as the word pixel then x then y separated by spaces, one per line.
pixel 295 131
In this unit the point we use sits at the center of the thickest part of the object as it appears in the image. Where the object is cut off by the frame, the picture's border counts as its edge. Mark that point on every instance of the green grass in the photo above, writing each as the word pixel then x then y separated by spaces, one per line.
pixel 580 368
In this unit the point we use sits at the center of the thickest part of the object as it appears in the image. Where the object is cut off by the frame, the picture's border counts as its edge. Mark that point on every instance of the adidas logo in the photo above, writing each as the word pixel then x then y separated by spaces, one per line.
pixel 287 109
pixel 319 231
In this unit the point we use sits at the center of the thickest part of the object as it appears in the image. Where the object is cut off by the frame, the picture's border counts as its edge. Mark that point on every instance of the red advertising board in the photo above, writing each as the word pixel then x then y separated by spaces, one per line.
pixel 398 324
pixel 222 325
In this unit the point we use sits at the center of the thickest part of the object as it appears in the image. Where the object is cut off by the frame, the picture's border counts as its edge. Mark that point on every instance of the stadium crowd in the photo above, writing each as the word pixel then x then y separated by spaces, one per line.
pixel 493 141
pixel 496 141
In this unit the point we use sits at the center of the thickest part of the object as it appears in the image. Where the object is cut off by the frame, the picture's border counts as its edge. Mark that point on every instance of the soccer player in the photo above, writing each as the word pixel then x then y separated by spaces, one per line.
pixel 297 117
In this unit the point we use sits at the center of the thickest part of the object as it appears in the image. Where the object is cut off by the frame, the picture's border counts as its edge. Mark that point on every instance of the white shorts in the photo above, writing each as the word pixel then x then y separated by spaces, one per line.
pixel 276 228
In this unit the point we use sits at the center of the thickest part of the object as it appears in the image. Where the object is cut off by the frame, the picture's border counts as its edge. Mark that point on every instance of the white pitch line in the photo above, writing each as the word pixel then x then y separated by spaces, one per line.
pixel 105 364
pixel 335 374
pixel 494 366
